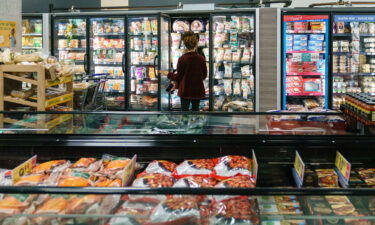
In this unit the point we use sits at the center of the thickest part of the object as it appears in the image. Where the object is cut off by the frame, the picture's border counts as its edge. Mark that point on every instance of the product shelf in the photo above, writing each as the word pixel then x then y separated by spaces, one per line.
pixel 305 94
pixel 320 52
pixel 305 74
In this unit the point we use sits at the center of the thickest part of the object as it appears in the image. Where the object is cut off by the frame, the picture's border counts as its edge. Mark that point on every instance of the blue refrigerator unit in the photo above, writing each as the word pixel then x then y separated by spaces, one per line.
pixel 353 56
pixel 305 81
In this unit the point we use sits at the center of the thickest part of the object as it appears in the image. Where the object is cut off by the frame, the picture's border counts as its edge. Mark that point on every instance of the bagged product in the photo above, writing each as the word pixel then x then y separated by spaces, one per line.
pixel 218 24
pixel 14 204
pixel 237 87
pixel 232 165
pixel 79 204
pixel 241 181
pixel 197 26
pixel 219 40
pixel 246 55
pixel 54 204
pixel 176 40
pixel 196 182
pixel 228 87
pixel 246 71
pixel 236 56
pixel 32 180
pixel 327 178
pixel 194 167
pixel 219 55
pixel 74 178
pixel 51 166
pixel 228 70
pixel 180 26
pixel 246 90
pixel 153 180
pixel 161 166
pixel 136 213
pixel 113 167
pixel 87 164
pixel 181 210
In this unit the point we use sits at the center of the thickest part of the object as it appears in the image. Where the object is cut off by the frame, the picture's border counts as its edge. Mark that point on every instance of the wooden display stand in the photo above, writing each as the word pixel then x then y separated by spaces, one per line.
pixel 9 74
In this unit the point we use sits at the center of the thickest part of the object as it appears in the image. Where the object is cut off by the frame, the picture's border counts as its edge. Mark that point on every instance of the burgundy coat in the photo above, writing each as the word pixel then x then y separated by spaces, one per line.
pixel 191 71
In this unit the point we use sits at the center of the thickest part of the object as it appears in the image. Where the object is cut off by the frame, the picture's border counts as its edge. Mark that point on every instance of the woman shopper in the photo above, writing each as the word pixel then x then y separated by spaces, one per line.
pixel 191 72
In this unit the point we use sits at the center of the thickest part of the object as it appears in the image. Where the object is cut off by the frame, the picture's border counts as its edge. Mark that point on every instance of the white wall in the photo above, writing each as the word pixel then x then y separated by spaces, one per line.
pixel 10 10
pixel 109 3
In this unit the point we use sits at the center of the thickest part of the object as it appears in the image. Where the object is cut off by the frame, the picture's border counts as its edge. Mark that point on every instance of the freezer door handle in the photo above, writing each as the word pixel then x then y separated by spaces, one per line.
pixel 85 63
pixel 123 63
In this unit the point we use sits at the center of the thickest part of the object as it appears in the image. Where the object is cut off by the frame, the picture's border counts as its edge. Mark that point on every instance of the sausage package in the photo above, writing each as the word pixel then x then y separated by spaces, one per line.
pixel 133 213
pixel 161 166
pixel 153 180
pixel 203 167
pixel 232 165
pixel 237 182
pixel 196 182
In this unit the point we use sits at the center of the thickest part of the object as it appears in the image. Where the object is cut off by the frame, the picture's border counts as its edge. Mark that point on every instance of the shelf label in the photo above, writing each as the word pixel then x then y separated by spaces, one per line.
pixel 298 170
pixel 129 171
pixel 354 18
pixel 24 169
pixel 255 167
pixel 295 18
pixel 343 168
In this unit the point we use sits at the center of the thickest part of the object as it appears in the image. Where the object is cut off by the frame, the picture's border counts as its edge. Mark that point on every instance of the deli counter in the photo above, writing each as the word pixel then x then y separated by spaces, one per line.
pixel 185 168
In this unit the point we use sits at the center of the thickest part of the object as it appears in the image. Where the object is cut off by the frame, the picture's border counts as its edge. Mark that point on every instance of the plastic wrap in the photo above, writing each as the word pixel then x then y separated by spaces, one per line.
pixel 194 167
pixel 153 180
pixel 161 166
pixel 196 182
pixel 229 166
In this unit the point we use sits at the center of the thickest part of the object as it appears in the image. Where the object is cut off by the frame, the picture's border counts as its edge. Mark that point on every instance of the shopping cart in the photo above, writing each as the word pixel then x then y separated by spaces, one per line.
pixel 91 98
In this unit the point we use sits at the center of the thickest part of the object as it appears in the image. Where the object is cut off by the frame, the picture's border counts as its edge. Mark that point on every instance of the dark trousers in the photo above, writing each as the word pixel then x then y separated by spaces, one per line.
pixel 185 104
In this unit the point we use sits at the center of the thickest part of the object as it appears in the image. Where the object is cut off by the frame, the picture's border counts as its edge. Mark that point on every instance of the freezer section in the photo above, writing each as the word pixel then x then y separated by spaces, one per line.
pixel 353 60
pixel 70 41
pixel 107 47
pixel 305 62
pixel 233 66
pixel 143 44
pixel 32 35
pixel 200 26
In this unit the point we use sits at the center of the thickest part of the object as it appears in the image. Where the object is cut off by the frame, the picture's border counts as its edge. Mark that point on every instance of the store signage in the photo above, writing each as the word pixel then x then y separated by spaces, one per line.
pixel 298 170
pixel 8 34
pixel 24 169
pixel 343 168
pixel 255 167
pixel 294 18
pixel 129 171
pixel 354 18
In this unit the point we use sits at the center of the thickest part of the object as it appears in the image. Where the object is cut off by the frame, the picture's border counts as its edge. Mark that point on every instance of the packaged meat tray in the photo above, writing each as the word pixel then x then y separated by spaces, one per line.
pixel 161 166
pixel 196 182
pixel 237 182
pixel 202 167
pixel 153 180
pixel 133 213
pixel 229 166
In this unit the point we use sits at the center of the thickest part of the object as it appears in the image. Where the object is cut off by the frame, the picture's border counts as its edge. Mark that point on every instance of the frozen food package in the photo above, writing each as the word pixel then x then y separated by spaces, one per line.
pixel 240 211
pixel 196 182
pixel 194 167
pixel 154 26
pixel 235 24
pixel 153 180
pixel 363 28
pixel 236 71
pixel 246 90
pixel 234 43
pixel 218 24
pixel 103 181
pixel 240 181
pixel 355 30
pixel 232 165
pixel 87 164
pixel 236 55
pixel 246 71
pixel 32 180
pixel 51 166
pixel 14 204
pixel 371 28
pixel 79 204
pixel 219 39
pixel 228 87
pixel 181 210
pixel 246 55
pixel 228 70
pixel 74 178
pixel 181 26
pixel 206 53
pixel 113 167
pixel 202 40
pixel 247 24
pixel 133 213
pixel 219 55
pixel 228 55
pixel 237 87
pixel 161 166
pixel 327 178
pixel 197 26
pixel 54 204
pixel 227 26
pixel 176 40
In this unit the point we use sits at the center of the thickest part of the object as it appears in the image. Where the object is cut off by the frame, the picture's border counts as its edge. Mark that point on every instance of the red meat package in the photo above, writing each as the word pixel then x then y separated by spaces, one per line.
pixel 133 213
pixel 153 180
pixel 196 182
pixel 202 167
pixel 176 210
pixel 240 211
pixel 232 165
pixel 237 182
pixel 161 166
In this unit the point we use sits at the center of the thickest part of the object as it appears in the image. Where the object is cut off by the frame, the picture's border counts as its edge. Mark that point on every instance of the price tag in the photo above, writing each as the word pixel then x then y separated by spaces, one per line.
pixel 298 170
pixel 343 168
pixel 129 171
pixel 255 167
pixel 23 169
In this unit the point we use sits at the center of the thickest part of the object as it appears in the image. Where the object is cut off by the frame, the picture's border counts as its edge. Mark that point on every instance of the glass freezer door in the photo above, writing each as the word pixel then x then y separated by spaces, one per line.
pixel 233 63
pixel 107 56
pixel 305 62
pixel 164 61
pixel 32 34
pixel 143 47
pixel 353 60
pixel 70 42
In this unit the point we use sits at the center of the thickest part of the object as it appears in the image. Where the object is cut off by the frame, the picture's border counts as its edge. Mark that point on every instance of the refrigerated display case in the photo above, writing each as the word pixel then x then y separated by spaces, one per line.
pixel 275 198
pixel 305 57
pixel 35 33
pixel 353 62
pixel 233 66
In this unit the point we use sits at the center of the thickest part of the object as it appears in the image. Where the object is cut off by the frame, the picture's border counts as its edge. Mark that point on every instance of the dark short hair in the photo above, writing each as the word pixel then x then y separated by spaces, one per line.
pixel 190 40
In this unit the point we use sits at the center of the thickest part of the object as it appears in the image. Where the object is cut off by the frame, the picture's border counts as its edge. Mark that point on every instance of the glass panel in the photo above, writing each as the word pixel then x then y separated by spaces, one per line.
pixel 70 41
pixel 305 62
pixel 143 38
pixel 107 44
pixel 177 123
pixel 199 25
pixel 165 65
pixel 233 70
pixel 32 35
pixel 353 61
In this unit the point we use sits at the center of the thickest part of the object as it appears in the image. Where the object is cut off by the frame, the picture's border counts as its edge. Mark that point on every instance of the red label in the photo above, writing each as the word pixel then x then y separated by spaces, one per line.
pixel 288 18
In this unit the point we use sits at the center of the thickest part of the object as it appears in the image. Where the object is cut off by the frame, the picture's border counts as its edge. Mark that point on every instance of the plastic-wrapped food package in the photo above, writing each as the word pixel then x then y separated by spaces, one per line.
pixel 246 90
pixel 206 53
pixel 228 70
pixel 241 181
pixel 232 165
pixel 228 55
pixel 218 24
pixel 80 203
pixel 181 26
pixel 135 27
pixel 202 40
pixel 245 71
pixel 154 26
pixel 32 180
pixel 246 55
pixel 52 205
pixel 106 182
pixel 133 213
pixel 228 87
pixel 197 26
pixel 219 55
pixel 161 166
pixel 176 40
pixel 51 166
pixel 237 87
pixel 246 24
pixel 194 167
pixel 14 204
pixel 74 178
pixel 219 40
pixel 182 210
pixel 153 180
pixel 196 182
pixel 238 211
pixel 87 165
pixel 113 167
pixel 236 56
